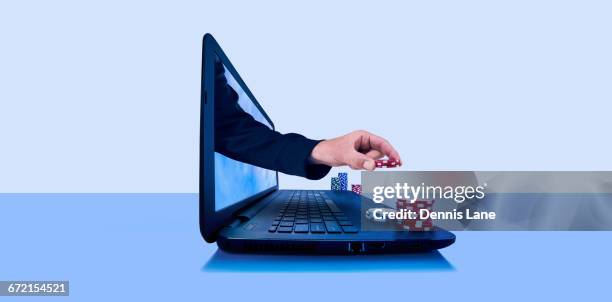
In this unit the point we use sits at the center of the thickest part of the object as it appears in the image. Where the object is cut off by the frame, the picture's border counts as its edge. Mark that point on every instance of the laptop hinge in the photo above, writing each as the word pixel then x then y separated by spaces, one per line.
pixel 250 212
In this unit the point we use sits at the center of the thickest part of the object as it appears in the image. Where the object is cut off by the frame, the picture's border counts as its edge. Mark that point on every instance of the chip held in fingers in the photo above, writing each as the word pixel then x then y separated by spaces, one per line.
pixel 386 163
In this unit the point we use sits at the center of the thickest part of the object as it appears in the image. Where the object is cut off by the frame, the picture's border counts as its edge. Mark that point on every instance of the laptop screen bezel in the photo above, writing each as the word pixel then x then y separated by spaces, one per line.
pixel 211 220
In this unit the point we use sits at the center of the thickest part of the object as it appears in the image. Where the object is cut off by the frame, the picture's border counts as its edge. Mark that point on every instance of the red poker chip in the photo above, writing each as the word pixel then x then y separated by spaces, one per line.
pixel 386 163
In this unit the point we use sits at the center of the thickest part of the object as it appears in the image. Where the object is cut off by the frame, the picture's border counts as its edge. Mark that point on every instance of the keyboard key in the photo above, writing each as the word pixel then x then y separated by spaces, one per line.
pixel 301 228
pixel 332 206
pixel 350 229
pixel 286 224
pixel 333 227
pixel 283 229
pixel 314 207
pixel 317 228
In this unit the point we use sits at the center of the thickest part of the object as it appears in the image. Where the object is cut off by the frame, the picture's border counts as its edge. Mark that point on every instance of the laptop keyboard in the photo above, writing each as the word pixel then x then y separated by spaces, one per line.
pixel 311 212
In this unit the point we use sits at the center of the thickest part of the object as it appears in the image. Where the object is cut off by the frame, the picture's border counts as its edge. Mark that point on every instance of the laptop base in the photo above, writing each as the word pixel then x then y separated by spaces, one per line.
pixel 251 234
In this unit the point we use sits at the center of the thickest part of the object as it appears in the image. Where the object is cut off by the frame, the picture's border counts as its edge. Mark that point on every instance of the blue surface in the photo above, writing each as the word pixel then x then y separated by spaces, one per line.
pixel 147 246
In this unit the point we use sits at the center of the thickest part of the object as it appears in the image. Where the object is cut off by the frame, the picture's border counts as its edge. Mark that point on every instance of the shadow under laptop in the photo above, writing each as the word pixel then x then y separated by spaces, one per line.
pixel 227 262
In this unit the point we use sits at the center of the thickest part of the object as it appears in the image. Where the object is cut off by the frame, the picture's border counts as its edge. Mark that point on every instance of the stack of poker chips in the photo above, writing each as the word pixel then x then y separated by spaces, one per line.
pixel 416 224
pixel 356 188
pixel 340 183
pixel 335 184
pixel 343 178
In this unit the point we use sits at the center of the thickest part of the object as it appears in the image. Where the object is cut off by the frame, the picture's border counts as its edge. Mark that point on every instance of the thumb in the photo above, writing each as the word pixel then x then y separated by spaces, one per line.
pixel 360 161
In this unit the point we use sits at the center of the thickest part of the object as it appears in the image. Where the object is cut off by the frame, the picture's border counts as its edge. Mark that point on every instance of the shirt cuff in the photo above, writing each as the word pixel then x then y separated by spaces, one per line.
pixel 310 170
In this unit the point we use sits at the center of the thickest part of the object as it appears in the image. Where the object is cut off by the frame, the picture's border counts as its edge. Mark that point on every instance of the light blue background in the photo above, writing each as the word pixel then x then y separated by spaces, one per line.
pixel 104 96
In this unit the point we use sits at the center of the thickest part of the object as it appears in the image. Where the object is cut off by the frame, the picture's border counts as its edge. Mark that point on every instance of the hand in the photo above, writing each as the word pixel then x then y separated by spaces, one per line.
pixel 357 149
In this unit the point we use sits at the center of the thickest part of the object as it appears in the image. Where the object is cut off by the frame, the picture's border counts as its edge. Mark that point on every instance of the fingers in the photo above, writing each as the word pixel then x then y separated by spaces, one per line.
pixel 358 161
pixel 374 154
pixel 380 144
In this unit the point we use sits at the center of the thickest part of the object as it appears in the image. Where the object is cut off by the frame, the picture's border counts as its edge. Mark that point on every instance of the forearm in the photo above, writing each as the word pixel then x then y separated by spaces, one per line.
pixel 286 153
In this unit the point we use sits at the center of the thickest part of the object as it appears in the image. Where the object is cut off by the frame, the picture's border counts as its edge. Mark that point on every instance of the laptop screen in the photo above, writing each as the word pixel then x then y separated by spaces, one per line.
pixel 235 180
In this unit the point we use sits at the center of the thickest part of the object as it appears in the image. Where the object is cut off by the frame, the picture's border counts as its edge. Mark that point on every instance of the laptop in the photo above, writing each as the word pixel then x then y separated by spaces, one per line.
pixel 242 209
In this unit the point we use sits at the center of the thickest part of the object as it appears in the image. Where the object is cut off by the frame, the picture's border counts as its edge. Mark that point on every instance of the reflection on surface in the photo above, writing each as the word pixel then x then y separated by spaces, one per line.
pixel 227 262
pixel 253 179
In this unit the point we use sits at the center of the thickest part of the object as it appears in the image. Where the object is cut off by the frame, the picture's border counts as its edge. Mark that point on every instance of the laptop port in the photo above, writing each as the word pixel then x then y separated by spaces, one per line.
pixel 375 246
pixel 355 247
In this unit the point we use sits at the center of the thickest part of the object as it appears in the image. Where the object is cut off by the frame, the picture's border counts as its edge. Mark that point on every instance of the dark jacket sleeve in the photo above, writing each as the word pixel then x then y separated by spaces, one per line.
pixel 240 137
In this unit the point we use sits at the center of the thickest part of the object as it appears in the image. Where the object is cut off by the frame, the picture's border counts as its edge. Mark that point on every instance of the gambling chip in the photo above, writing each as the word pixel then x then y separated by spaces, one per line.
pixel 343 181
pixel 335 184
pixel 418 225
pixel 356 188
pixel 386 163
